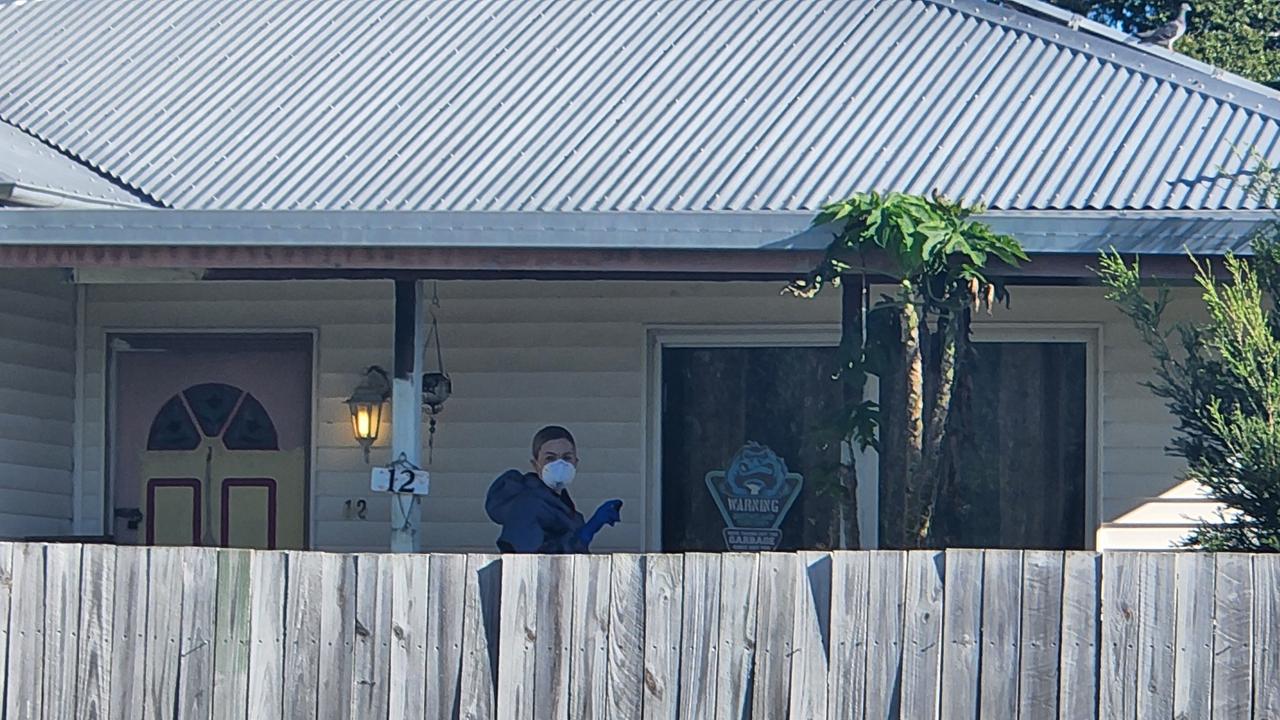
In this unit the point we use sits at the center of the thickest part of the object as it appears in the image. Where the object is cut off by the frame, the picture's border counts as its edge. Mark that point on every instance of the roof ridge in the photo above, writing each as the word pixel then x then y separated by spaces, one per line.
pixel 1038 18
pixel 138 193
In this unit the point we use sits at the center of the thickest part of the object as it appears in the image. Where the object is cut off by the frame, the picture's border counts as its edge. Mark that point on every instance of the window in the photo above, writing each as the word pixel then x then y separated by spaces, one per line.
pixel 745 460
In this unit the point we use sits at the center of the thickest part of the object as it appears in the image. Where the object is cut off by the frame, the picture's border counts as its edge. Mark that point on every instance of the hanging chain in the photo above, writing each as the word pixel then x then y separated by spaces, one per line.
pixel 435 325
pixel 434 334
pixel 431 439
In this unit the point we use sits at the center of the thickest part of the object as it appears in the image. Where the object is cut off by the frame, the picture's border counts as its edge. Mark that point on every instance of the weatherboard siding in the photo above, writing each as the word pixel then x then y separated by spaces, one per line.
pixel 525 353
pixel 37 407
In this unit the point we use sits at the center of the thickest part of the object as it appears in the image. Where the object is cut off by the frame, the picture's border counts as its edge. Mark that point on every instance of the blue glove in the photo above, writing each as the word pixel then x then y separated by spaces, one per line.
pixel 609 513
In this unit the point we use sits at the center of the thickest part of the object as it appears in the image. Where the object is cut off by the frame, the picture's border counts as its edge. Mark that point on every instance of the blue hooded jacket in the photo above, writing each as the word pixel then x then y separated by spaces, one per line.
pixel 534 519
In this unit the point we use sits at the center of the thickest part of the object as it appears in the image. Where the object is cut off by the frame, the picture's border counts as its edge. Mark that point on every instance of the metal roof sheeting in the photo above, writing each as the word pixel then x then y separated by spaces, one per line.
pixel 27 163
pixel 615 105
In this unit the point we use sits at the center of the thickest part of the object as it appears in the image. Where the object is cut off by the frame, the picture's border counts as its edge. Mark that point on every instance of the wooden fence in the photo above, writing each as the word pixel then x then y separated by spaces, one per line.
pixel 96 631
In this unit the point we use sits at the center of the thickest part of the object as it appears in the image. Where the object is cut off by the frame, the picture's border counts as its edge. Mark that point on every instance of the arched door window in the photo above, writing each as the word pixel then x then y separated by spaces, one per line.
pixel 212 410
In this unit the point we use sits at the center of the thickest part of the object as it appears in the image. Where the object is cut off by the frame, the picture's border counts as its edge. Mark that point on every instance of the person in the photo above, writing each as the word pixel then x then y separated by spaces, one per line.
pixel 534 508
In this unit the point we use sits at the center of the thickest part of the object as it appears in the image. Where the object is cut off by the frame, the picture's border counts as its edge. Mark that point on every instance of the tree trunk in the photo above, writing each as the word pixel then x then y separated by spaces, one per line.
pixel 914 418
pixel 935 465
pixel 847 532
pixel 959 437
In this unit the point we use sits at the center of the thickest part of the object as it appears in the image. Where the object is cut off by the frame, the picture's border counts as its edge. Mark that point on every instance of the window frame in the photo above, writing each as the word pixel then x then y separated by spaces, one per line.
pixel 662 337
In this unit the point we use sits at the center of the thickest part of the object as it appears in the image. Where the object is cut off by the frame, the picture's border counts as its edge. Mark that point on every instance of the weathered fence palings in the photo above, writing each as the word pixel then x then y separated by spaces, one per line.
pixel 97 631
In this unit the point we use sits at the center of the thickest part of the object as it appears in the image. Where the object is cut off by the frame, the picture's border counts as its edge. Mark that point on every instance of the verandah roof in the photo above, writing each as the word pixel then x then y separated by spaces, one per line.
pixel 741 244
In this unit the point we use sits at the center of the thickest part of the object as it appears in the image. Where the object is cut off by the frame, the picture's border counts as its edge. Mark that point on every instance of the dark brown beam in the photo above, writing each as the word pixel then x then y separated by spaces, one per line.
pixel 268 263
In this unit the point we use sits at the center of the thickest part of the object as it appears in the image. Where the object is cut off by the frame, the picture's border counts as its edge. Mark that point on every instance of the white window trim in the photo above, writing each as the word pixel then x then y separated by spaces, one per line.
pixel 660 337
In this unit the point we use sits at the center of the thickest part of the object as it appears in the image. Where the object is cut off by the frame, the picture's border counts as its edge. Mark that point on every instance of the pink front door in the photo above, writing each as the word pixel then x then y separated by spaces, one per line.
pixel 210 441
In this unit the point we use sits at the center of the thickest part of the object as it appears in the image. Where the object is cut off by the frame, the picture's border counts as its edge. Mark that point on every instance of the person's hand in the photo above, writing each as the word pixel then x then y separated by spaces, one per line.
pixel 609 513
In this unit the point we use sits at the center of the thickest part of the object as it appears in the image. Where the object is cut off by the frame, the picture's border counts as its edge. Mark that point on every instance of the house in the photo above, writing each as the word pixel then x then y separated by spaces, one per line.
pixel 219 215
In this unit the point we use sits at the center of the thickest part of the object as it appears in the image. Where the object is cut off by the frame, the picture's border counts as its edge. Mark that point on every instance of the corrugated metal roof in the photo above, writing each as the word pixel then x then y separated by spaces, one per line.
pixel 612 105
pixel 30 164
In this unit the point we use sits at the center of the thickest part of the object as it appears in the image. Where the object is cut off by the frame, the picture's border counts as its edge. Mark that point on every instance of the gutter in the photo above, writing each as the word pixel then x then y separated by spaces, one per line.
pixel 33 196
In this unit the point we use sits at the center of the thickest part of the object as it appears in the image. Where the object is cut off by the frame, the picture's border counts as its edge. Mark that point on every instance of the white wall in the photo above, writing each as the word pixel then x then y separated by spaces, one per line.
pixel 37 387
pixel 523 354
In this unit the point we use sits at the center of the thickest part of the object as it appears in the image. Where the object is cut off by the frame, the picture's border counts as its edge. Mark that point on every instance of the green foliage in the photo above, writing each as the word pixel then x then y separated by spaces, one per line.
pixel 1221 380
pixel 933 243
pixel 938 256
pixel 1240 36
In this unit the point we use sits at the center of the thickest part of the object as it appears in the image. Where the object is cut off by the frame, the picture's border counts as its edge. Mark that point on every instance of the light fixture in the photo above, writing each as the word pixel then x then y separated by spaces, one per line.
pixel 366 404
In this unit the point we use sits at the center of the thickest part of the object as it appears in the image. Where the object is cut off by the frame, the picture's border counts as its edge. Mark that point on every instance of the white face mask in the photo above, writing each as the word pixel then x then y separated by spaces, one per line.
pixel 557 475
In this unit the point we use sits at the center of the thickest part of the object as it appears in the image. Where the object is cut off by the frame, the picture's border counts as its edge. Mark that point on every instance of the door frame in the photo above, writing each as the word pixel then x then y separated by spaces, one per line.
pixel 660 337
pixel 303 336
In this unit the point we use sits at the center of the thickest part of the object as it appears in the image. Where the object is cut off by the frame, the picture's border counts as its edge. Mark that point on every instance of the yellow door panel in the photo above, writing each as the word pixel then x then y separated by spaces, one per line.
pixel 177 503
pixel 281 471
pixel 247 519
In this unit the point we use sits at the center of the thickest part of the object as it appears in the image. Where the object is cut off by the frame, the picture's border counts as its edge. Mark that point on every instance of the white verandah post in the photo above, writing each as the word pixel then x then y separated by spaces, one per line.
pixel 406 409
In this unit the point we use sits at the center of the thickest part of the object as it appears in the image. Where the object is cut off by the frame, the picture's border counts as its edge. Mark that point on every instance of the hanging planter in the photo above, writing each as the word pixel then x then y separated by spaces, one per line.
pixel 436 385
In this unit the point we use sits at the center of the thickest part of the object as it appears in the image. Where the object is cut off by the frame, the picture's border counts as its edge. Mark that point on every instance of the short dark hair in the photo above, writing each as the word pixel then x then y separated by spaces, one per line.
pixel 549 433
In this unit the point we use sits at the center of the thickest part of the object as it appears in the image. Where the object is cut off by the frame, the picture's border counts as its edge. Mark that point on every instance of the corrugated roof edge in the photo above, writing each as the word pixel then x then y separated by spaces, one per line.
pixel 1029 16
pixel 142 196
pixel 1144 232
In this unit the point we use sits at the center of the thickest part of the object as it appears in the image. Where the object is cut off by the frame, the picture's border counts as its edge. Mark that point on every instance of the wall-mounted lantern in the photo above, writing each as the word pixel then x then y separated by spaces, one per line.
pixel 366 403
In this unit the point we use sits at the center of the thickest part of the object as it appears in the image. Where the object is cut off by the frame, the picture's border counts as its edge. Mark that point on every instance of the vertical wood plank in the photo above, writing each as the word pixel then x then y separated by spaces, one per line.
pixel 1156 622
pixel 1193 662
pixel 1078 646
pixel 961 634
pixel 1232 636
pixel 337 634
pixel 410 578
pixel 371 671
pixel 164 630
pixel 551 645
pixel 1121 573
pixel 518 631
pixel 97 593
pixel 739 583
pixel 922 634
pixel 129 628
pixel 810 644
pixel 197 633
pixel 268 578
pixel 445 607
pixel 698 644
pixel 232 636
pixel 1001 629
pixel 663 612
pixel 1266 629
pixel 626 637
pixel 771 697
pixel 302 634
pixel 884 634
pixel 6 598
pixel 481 619
pixel 26 634
pixel 588 689
pixel 846 676
pixel 61 628
pixel 1041 632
